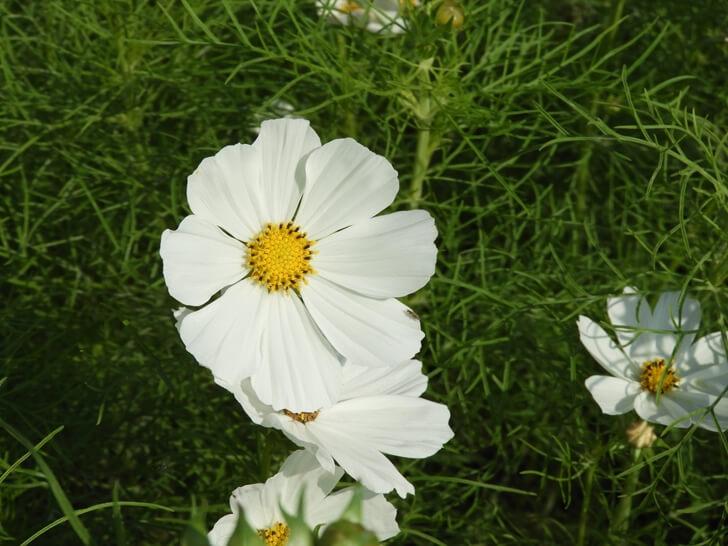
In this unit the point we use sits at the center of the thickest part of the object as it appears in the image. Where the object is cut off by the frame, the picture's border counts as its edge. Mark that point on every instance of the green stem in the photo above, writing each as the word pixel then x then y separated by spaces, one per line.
pixel 422 163
pixel 620 524
pixel 616 16
pixel 584 517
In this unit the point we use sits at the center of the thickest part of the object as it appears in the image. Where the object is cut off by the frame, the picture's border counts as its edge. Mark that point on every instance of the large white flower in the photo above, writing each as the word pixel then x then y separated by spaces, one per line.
pixel 374 15
pixel 378 411
pixel 300 476
pixel 286 229
pixel 658 367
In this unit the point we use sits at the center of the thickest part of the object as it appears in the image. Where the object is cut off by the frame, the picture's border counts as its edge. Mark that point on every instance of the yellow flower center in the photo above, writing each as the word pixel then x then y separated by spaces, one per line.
pixel 275 535
pixel 303 416
pixel 349 7
pixel 656 376
pixel 279 257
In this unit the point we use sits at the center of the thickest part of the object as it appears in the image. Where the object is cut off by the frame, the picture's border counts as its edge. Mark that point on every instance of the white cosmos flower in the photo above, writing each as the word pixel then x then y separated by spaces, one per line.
pixel 299 476
pixel 656 352
pixel 378 411
pixel 285 228
pixel 374 15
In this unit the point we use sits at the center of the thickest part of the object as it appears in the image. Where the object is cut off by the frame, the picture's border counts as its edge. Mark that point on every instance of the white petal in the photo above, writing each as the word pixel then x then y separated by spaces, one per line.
pixel 670 323
pixel 696 404
pixel 670 314
pixel 397 425
pixel 405 379
pixel 704 366
pixel 711 379
pixel 223 529
pixel 647 408
pixel 252 405
pixel 345 184
pixel 707 350
pixel 298 370
pixel 199 259
pixel 362 462
pixel 225 190
pixel 299 434
pixel 614 395
pixel 649 345
pixel 282 144
pixel 378 515
pixel 604 350
pixel 384 257
pixel 357 432
pixel 683 318
pixel 301 475
pixel 367 331
pixel 626 313
pixel 259 511
pixel 224 336
pixel 179 314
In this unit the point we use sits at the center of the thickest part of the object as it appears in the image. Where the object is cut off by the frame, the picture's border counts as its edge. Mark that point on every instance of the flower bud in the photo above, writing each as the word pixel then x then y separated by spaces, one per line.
pixel 346 533
pixel 641 434
pixel 450 13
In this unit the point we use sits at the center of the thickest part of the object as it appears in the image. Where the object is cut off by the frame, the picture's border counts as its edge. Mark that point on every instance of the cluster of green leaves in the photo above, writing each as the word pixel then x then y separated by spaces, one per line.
pixel 566 149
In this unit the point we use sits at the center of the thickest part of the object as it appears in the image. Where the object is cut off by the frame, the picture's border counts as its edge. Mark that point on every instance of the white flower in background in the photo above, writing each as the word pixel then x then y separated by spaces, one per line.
pixel 279 108
pixel 658 367
pixel 379 410
pixel 286 229
pixel 374 15
pixel 300 475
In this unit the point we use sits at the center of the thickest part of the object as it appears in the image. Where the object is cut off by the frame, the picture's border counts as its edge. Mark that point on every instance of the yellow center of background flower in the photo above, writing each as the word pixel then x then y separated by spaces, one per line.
pixel 349 7
pixel 275 535
pixel 654 376
pixel 279 257
pixel 303 416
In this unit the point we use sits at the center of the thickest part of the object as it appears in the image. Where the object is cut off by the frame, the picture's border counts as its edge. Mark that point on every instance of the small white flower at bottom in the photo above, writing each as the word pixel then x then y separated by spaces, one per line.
pixel 658 368
pixel 300 475
pixel 379 411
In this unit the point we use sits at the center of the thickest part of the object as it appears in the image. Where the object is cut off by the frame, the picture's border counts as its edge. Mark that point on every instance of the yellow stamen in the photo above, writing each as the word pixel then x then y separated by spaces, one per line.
pixel 275 535
pixel 655 377
pixel 349 7
pixel 303 416
pixel 279 257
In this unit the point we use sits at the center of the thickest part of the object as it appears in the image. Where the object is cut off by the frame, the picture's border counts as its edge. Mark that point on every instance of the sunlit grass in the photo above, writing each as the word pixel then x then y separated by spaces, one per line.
pixel 566 150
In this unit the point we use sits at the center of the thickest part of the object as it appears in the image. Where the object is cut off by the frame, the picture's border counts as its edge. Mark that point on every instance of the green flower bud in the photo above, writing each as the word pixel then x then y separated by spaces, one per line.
pixel 450 13
pixel 346 533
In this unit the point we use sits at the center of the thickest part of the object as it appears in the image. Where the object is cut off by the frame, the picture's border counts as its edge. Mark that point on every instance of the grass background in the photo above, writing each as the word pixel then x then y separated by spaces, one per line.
pixel 567 148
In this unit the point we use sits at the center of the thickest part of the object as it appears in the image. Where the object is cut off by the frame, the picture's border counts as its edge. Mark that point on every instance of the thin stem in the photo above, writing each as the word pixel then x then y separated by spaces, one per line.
pixel 584 517
pixel 422 163
pixel 620 524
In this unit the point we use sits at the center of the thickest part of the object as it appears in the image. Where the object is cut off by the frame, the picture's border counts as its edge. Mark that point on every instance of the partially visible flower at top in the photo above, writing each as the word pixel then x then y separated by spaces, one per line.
pixel 379 410
pixel 285 230
pixel 375 15
pixel 659 369
pixel 299 476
